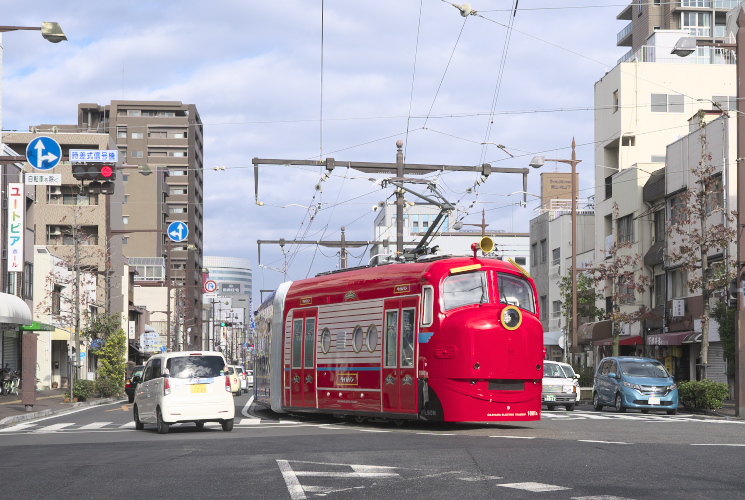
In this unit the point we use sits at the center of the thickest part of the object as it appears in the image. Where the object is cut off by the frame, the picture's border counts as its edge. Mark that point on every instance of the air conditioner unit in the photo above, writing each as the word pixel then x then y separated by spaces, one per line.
pixel 54 231
pixel 55 190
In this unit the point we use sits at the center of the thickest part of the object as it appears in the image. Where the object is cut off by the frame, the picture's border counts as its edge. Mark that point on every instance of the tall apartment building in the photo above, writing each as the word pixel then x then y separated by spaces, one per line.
pixel 705 19
pixel 162 143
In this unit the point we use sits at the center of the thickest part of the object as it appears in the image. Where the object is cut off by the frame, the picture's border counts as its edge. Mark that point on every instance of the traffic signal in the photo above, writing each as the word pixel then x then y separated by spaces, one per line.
pixel 94 172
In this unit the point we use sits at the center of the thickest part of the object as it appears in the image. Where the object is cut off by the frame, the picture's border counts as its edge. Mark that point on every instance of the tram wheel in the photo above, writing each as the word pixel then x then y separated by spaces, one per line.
pixel 398 422
pixel 360 420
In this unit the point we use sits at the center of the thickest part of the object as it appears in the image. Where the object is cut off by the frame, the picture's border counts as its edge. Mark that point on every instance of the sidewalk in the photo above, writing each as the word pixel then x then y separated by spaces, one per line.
pixel 47 403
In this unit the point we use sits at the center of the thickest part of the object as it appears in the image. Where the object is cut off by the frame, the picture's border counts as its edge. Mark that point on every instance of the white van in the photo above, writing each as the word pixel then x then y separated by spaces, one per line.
pixel 184 387
pixel 560 385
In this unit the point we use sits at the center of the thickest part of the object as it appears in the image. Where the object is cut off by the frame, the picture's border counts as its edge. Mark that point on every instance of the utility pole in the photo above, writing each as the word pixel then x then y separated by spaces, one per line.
pixel 342 244
pixel 399 169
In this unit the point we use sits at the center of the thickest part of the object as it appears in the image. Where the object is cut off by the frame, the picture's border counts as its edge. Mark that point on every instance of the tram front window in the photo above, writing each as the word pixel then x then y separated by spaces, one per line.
pixel 516 291
pixel 465 289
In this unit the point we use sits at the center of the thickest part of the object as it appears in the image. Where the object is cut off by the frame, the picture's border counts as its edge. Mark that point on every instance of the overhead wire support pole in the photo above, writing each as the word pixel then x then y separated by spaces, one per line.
pixel 399 169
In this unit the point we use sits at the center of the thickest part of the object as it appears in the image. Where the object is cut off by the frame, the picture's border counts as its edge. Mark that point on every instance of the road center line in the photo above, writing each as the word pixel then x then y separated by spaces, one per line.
pixel 602 442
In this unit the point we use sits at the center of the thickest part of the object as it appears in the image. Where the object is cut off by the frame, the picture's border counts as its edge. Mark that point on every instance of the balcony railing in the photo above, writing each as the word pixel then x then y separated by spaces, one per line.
pixel 557 208
pixel 703 55
pixel 706 4
pixel 623 33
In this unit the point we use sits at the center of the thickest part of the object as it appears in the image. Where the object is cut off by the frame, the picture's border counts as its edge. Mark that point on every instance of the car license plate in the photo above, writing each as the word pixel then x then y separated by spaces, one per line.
pixel 549 397
pixel 199 388
pixel 654 401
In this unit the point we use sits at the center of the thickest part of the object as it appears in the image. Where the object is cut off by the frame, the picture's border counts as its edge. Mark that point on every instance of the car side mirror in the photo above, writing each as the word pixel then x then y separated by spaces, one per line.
pixel 613 375
pixel 136 379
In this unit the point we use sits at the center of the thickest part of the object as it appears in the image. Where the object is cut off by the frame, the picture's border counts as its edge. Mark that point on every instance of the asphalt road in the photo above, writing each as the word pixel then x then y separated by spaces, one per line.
pixel 96 453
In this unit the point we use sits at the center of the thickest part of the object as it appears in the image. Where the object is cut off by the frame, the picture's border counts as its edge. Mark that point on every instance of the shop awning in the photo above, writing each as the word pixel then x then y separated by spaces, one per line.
pixel 693 338
pixel 14 311
pixel 552 338
pixel 597 330
pixel 671 338
pixel 37 326
pixel 60 334
pixel 635 340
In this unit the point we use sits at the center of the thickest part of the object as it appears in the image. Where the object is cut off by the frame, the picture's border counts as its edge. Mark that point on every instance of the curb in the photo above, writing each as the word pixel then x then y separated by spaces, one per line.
pixel 45 413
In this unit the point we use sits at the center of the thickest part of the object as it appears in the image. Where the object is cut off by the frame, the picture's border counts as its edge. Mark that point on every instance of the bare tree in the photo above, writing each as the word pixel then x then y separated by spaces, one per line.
pixel 621 275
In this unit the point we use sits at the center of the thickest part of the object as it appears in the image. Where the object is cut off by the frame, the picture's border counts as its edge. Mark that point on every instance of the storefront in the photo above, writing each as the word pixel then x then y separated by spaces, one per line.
pixel 14 312
pixel 677 351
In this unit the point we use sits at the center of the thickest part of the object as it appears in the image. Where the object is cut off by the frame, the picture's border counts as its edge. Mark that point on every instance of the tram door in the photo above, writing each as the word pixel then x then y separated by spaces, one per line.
pixel 303 359
pixel 399 356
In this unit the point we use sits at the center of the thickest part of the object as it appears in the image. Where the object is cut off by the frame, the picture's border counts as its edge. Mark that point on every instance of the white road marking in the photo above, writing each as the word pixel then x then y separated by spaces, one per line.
pixel 293 484
pixel 716 444
pixel 18 427
pixel 244 411
pixel 601 497
pixel 534 487
pixel 436 433
pixel 95 425
pixel 372 430
pixel 54 427
pixel 602 442
pixel 514 437
pixel 128 425
pixel 249 421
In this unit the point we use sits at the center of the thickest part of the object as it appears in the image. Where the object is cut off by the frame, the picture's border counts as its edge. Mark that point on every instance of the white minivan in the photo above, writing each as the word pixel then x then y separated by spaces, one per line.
pixel 184 387
pixel 560 385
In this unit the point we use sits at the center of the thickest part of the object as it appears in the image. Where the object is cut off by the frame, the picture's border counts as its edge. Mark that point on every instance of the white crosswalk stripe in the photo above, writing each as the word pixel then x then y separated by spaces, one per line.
pixel 54 427
pixel 94 425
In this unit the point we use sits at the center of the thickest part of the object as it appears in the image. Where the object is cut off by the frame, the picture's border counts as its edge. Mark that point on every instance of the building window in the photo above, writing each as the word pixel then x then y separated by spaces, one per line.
pixel 658 158
pixel 696 23
pixel 121 132
pixel 544 307
pixel 609 187
pixel 125 240
pixel 520 260
pixel 57 300
pixel 126 198
pixel 180 135
pixel 69 195
pixel 534 254
pixel 714 199
pixel 157 134
pixel 659 290
pixel 137 135
pixel 125 177
pixel 64 235
pixel 678 278
pixel 415 223
pixel 178 154
pixel 555 256
pixel 123 153
pixel 667 103
pixel 676 212
pixel 615 101
pixel 28 280
pixel 137 154
pixel 133 112
pixel 659 226
pixel 625 292
pixel 177 172
pixel 177 210
pixel 179 190
pixel 608 306
pixel 544 251
pixel 728 103
pixel 556 309
pixel 626 229
pixel 125 219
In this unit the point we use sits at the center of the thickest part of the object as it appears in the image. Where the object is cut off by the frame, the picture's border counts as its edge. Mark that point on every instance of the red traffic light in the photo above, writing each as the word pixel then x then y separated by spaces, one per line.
pixel 94 172
pixel 107 171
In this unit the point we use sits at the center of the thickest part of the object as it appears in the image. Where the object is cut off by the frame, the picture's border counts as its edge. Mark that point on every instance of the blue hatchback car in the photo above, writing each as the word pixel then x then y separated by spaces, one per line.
pixel 631 382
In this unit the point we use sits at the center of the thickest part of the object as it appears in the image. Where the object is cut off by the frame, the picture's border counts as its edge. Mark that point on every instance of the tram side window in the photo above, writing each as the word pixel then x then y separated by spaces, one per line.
pixel 297 343
pixel 465 289
pixel 516 291
pixel 310 342
pixel 407 338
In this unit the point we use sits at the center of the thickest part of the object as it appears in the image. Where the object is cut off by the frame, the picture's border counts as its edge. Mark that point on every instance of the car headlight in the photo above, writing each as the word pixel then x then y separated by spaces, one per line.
pixel 567 388
pixel 672 387
pixel 633 386
pixel 511 317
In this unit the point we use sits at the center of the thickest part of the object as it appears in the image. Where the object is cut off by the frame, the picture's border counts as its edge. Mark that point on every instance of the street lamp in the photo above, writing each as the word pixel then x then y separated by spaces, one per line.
pixel 683 48
pixel 50 31
pixel 538 162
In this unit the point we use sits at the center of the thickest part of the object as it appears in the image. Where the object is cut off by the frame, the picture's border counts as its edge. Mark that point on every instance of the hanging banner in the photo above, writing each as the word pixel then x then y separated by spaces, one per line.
pixel 16 227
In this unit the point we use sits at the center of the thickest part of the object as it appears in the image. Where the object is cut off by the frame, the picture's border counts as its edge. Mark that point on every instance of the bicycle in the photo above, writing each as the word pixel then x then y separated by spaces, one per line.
pixel 14 383
pixel 4 376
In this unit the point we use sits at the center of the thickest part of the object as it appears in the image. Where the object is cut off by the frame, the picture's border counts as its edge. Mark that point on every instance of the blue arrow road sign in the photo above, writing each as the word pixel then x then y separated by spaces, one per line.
pixel 43 153
pixel 178 231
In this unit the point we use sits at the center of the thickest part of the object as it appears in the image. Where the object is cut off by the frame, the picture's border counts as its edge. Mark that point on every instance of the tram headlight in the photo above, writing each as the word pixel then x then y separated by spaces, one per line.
pixel 512 318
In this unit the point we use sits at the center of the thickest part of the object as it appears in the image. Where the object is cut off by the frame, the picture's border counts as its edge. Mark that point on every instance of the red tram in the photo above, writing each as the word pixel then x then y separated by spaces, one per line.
pixel 454 339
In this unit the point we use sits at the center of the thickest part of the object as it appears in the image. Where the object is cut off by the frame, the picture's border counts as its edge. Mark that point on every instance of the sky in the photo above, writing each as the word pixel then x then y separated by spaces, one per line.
pixel 316 79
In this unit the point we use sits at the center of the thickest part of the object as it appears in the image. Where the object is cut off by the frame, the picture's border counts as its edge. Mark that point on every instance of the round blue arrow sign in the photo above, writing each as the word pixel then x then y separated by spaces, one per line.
pixel 43 153
pixel 178 231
